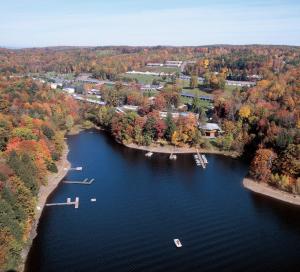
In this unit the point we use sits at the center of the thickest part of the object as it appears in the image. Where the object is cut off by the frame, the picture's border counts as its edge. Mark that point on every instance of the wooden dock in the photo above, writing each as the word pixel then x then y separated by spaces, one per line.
pixel 84 182
pixel 69 202
pixel 199 160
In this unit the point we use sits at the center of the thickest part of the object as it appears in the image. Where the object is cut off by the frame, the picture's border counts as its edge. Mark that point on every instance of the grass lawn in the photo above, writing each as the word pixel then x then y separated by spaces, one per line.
pixel 143 79
pixel 196 91
pixel 161 69
pixel 205 104
pixel 229 89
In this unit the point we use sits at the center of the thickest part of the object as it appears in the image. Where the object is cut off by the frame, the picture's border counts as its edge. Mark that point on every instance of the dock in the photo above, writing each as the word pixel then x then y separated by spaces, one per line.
pixel 69 202
pixel 200 159
pixel 84 182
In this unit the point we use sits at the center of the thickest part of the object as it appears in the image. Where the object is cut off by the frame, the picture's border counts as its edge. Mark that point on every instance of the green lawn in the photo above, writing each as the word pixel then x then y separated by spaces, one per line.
pixel 161 69
pixel 229 89
pixel 143 79
pixel 196 91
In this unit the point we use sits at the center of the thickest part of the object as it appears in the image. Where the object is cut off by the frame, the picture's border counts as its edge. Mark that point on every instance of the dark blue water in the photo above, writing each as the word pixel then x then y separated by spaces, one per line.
pixel 143 204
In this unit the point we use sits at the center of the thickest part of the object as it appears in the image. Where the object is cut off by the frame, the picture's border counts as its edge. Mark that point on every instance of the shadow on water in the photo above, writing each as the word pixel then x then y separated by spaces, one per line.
pixel 285 214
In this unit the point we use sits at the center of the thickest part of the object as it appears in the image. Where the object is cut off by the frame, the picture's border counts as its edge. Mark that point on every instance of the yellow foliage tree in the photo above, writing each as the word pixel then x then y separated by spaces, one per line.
pixel 245 111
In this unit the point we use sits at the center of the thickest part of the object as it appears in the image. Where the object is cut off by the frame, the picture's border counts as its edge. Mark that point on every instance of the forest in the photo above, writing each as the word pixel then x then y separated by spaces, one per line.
pixel 260 122
pixel 33 120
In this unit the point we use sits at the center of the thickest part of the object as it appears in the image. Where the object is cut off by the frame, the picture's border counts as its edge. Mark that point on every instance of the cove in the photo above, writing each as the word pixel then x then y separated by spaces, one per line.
pixel 144 203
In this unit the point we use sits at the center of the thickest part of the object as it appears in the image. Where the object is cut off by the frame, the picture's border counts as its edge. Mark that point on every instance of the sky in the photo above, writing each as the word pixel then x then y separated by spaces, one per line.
pixel 39 23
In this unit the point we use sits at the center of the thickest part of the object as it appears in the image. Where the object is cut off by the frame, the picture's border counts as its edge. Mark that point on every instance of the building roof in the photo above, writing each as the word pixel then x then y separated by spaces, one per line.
pixel 209 126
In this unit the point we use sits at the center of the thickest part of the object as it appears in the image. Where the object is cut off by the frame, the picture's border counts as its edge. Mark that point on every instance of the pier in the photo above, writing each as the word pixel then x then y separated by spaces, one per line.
pixel 69 202
pixel 200 160
pixel 84 182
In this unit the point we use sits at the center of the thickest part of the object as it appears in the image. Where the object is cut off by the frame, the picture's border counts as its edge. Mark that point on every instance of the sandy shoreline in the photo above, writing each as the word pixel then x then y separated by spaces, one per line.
pixel 265 189
pixel 53 180
pixel 179 150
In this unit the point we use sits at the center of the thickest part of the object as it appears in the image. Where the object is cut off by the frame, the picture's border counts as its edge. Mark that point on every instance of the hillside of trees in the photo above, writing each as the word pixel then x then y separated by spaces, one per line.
pixel 33 120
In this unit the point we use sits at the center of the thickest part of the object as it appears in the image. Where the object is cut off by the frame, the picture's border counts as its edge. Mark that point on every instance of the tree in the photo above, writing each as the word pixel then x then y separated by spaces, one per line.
pixel 170 126
pixel 245 111
pixel 261 165
pixel 194 82
pixel 69 122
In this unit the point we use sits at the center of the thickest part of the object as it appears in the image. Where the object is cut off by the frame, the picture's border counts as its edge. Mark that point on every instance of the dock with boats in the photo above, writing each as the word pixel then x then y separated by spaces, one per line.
pixel 200 160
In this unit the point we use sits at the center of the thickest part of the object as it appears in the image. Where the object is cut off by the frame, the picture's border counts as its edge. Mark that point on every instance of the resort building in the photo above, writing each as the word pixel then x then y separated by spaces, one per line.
pixel 210 130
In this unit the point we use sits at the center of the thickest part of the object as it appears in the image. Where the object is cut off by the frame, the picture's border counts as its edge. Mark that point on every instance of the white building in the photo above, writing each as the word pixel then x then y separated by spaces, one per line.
pixel 173 63
pixel 69 90
pixel 53 86
pixel 152 64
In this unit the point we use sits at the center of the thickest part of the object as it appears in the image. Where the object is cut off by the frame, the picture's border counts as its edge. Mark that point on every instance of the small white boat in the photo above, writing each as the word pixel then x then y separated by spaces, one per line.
pixel 173 157
pixel 93 199
pixel 177 243
pixel 149 154
pixel 78 168
pixel 204 159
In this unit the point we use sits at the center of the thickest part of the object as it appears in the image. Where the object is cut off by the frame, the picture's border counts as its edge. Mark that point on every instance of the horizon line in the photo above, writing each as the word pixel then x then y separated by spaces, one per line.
pixel 143 46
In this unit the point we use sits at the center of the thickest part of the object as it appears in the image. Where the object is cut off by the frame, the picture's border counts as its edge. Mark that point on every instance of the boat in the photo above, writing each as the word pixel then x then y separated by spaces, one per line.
pixel 177 243
pixel 149 154
pixel 204 158
pixel 173 157
pixel 93 199
pixel 78 168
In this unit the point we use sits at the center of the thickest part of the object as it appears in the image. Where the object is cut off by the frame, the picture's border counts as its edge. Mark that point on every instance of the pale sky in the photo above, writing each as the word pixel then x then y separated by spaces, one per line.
pixel 35 23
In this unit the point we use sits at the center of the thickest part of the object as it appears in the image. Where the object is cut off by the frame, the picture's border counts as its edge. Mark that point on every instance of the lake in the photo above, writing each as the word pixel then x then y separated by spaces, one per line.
pixel 144 203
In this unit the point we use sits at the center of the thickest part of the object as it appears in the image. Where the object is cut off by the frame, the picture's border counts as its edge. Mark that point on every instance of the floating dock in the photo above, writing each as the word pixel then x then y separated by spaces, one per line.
pixel 69 202
pixel 84 182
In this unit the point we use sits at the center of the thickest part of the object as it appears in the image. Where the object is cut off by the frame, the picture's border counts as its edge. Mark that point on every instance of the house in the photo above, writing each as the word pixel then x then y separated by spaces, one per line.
pixel 211 130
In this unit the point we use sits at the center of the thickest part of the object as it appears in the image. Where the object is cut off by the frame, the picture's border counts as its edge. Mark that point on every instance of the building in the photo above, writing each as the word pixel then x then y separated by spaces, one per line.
pixel 201 97
pixel 152 64
pixel 173 63
pixel 53 86
pixel 240 83
pixel 69 90
pixel 210 130
pixel 175 115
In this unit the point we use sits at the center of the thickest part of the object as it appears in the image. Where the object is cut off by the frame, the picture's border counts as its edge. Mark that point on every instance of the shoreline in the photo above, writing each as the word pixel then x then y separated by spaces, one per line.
pixel 168 149
pixel 53 180
pixel 267 190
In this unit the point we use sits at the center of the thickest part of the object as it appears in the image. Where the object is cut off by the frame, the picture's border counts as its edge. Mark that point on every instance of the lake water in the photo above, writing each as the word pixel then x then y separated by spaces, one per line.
pixel 144 203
